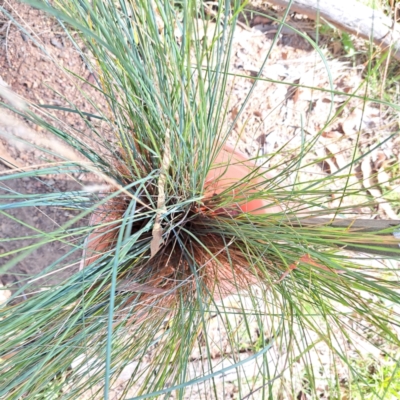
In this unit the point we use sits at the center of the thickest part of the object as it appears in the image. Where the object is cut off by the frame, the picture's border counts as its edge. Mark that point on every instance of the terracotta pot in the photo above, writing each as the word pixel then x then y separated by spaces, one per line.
pixel 230 167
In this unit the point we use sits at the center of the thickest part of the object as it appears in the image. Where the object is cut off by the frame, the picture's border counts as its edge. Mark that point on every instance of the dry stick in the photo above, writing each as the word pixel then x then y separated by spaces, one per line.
pixel 354 225
pixel 8 31
pixel 390 245
pixel 353 17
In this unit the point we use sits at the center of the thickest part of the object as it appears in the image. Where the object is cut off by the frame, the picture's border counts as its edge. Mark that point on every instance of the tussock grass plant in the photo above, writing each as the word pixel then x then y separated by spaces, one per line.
pixel 161 254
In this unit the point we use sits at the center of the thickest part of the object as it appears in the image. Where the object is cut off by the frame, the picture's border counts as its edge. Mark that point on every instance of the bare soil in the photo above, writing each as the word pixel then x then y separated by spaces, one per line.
pixel 19 226
pixel 32 68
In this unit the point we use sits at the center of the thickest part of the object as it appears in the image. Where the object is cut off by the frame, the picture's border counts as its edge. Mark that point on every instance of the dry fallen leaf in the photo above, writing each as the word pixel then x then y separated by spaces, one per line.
pixel 336 153
pixel 327 165
pixel 332 135
pixel 352 123
pixel 383 205
pixel 157 241
pixel 379 166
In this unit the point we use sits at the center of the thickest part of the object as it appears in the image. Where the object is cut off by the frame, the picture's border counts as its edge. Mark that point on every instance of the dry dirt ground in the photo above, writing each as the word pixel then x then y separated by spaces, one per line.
pixel 33 69
pixel 277 117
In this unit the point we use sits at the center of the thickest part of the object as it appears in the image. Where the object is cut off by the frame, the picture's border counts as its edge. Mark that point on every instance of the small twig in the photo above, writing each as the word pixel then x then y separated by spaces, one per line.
pixel 350 16
pixel 388 246
pixel 8 30
pixel 352 225
pixel 286 273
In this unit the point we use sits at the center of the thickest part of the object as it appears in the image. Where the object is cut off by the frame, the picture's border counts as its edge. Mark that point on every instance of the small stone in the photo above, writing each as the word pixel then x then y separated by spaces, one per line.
pixel 5 294
pixel 56 43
